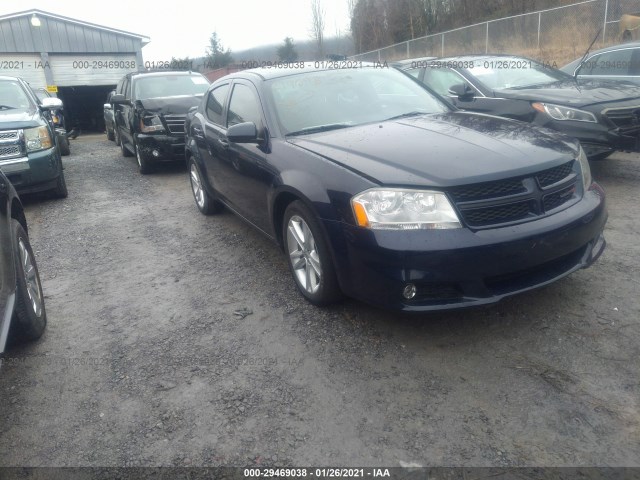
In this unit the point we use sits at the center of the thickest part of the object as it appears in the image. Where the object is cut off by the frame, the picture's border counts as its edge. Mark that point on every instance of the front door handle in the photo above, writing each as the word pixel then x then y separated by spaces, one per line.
pixel 223 143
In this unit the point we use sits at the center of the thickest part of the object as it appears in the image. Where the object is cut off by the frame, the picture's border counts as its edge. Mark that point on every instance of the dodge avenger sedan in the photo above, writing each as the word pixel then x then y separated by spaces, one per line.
pixel 604 116
pixel 378 189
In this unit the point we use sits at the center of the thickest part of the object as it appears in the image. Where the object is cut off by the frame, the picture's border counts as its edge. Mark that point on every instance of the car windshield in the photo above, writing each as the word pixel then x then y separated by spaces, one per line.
pixel 513 72
pixel 169 86
pixel 329 99
pixel 12 95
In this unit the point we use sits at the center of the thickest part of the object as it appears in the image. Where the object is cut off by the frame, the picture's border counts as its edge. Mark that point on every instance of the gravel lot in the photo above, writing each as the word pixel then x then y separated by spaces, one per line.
pixel 179 339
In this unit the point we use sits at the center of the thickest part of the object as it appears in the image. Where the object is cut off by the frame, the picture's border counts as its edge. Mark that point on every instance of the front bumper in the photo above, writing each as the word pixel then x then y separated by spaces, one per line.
pixel 463 268
pixel 597 139
pixel 159 148
pixel 39 171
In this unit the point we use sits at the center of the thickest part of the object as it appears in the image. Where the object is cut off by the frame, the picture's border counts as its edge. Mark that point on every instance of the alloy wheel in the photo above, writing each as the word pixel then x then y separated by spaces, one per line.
pixel 303 254
pixel 196 186
pixel 34 290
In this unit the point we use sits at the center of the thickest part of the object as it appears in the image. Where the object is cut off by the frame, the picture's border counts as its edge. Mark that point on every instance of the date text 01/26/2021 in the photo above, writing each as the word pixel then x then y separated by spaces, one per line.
pixel 316 472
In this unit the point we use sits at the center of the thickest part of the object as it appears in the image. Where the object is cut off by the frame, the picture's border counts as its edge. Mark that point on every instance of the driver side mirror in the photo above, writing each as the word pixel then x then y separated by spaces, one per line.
pixel 243 133
pixel 51 103
pixel 119 99
pixel 463 91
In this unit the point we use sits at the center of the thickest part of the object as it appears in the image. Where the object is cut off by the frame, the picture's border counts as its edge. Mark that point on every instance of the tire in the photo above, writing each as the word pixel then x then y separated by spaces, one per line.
pixel 308 256
pixel 63 144
pixel 60 191
pixel 29 316
pixel 110 134
pixel 144 165
pixel 116 136
pixel 205 203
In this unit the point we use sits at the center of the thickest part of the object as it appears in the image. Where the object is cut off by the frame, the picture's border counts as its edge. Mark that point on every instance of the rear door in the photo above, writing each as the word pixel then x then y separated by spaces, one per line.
pixel 247 173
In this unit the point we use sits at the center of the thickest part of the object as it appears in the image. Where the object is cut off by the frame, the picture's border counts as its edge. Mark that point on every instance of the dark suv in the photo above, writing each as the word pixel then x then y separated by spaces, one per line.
pixel 149 113
pixel 29 151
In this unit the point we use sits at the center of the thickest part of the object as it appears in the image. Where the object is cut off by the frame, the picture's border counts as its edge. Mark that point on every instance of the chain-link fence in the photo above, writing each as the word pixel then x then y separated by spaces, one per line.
pixel 556 35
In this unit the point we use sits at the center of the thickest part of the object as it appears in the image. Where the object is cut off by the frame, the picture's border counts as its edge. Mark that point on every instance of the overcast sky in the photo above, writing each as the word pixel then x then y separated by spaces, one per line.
pixel 182 28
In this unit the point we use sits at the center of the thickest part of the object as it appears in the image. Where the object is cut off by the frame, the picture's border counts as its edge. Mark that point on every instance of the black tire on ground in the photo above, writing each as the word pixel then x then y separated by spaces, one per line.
pixel 110 134
pixel 144 165
pixel 63 143
pixel 312 254
pixel 205 203
pixel 60 190
pixel 29 316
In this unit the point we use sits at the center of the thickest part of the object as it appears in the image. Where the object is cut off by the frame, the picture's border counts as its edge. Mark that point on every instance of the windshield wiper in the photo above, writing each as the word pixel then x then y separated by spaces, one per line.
pixel 6 107
pixel 415 113
pixel 318 129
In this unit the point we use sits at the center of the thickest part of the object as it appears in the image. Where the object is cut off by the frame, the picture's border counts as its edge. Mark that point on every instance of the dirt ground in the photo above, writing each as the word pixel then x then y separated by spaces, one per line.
pixel 176 339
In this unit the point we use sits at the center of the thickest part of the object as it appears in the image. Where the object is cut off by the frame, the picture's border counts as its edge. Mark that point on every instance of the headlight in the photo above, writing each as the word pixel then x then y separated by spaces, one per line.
pixel 586 169
pixel 558 112
pixel 37 139
pixel 151 123
pixel 395 209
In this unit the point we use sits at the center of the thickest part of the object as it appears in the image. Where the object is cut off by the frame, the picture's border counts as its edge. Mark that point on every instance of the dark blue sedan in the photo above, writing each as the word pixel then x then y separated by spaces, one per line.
pixel 377 188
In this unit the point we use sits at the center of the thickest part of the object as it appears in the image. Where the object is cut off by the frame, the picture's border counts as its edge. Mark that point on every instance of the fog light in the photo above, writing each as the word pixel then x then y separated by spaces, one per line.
pixel 155 153
pixel 409 291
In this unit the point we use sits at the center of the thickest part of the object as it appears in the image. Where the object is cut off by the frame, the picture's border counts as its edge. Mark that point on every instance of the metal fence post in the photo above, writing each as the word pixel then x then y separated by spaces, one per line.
pixel 442 48
pixel 408 54
pixel 486 40
pixel 539 21
pixel 606 15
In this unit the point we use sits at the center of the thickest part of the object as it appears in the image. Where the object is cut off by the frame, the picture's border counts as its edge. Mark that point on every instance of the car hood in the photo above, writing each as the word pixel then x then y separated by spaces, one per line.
pixel 170 105
pixel 17 118
pixel 441 150
pixel 576 93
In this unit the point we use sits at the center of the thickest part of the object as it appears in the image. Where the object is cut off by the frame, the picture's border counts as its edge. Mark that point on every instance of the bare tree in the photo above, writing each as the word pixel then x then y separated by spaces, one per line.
pixel 317 25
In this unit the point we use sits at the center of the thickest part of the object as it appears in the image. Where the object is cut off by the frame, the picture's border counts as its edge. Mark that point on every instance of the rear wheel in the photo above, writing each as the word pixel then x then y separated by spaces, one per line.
pixel 30 317
pixel 110 134
pixel 204 202
pixel 308 255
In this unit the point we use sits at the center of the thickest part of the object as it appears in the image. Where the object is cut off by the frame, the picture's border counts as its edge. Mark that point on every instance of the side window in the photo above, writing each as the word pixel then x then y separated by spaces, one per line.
pixel 414 72
pixel 244 107
pixel 610 63
pixel 215 104
pixel 125 88
pixel 442 79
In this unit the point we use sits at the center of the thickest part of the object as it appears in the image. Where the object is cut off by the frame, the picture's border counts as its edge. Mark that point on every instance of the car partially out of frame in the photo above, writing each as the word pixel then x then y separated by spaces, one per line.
pixel 377 188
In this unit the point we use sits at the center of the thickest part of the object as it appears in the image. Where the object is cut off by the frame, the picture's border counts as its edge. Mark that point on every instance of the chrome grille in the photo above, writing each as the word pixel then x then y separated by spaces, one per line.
pixel 9 135
pixel 9 151
pixel 175 123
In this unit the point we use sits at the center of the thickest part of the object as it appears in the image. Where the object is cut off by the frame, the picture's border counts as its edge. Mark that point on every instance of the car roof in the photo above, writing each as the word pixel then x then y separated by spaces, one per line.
pixel 409 61
pixel 621 46
pixel 162 73
pixel 460 58
pixel 266 73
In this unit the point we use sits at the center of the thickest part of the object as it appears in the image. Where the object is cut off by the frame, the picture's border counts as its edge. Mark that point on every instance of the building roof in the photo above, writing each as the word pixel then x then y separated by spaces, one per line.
pixel 59 34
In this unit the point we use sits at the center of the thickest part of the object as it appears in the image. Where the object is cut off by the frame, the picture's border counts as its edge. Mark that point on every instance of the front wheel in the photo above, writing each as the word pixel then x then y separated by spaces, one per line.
pixel 144 165
pixel 125 151
pixel 30 317
pixel 308 256
pixel 204 202
pixel 63 143
pixel 60 190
